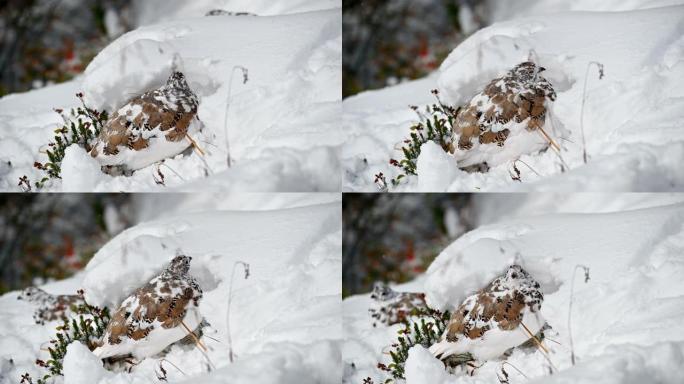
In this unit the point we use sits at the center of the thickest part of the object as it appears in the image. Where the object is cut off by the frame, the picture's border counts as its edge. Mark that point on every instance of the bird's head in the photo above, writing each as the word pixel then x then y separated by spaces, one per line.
pixel 179 265
pixel 527 70
pixel 382 292
pixel 517 277
pixel 516 272
pixel 177 80
pixel 31 294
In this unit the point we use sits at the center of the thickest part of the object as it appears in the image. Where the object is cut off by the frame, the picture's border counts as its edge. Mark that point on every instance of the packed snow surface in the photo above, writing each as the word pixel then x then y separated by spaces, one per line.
pixel 626 319
pixel 284 318
pixel 633 115
pixel 282 123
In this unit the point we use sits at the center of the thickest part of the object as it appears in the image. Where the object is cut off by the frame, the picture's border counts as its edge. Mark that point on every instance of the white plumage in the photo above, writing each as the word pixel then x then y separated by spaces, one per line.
pixel 152 318
pixel 490 322
pixel 506 119
pixel 151 127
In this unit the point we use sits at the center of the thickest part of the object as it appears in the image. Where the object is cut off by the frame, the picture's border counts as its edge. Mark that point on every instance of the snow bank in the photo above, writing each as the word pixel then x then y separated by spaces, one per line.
pixel 81 366
pixel 154 11
pixel 423 368
pixel 494 207
pixel 627 364
pixel 500 10
pixel 283 124
pixel 80 172
pixel 632 117
pixel 284 319
pixel 282 363
pixel 626 320
pixel 435 168
pixel 292 276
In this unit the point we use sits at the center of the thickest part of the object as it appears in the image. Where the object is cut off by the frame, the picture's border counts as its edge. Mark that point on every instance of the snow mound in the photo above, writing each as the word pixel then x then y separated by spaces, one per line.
pixel 435 168
pixel 80 172
pixel 154 11
pixel 282 124
pixel 289 276
pixel 461 270
pixel 422 367
pixel 284 318
pixel 318 363
pixel 632 116
pixel 626 319
pixel 81 366
pixel 626 364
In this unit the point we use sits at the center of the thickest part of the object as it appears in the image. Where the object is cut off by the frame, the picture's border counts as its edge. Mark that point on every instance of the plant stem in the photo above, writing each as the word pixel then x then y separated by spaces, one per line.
pixel 174 365
pixel 584 98
pixel 572 290
pixel 228 99
pixel 541 347
pixel 245 266
pixel 516 368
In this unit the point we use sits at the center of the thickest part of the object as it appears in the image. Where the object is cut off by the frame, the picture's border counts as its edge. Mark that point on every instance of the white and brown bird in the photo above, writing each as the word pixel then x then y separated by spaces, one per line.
pixel 392 307
pixel 151 127
pixel 493 320
pixel 506 119
pixel 156 315
pixel 50 307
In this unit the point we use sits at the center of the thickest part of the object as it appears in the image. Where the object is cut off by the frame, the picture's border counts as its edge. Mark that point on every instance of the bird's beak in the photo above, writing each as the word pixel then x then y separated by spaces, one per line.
pixel 541 69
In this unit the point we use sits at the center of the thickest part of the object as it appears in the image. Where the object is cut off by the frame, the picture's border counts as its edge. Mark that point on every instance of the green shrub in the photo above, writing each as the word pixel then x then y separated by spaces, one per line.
pixel 423 327
pixel 87 326
pixel 81 126
pixel 435 124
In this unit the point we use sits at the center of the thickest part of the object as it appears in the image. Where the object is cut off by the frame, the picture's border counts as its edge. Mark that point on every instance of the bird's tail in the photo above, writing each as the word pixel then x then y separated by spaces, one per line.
pixel 442 349
pixel 105 351
pixel 99 351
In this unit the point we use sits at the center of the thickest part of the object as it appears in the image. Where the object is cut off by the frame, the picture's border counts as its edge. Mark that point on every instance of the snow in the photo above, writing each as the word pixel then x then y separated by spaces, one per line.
pixel 495 343
pixel 282 123
pixel 152 11
pixel 435 168
pixel 284 318
pixel 422 367
pixel 80 172
pixel 626 320
pixel 81 366
pixel 632 116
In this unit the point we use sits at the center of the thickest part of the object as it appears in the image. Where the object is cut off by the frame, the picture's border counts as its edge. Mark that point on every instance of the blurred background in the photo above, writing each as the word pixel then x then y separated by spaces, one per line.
pixel 395 237
pixel 46 237
pixel 387 42
pixel 44 42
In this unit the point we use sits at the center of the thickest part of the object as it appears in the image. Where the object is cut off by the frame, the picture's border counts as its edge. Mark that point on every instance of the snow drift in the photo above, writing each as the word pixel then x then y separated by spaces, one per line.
pixel 626 320
pixel 632 118
pixel 284 318
pixel 282 123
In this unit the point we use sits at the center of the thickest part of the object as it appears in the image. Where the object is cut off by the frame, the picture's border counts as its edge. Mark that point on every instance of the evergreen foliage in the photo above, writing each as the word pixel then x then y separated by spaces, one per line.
pixel 87 326
pixel 81 127
pixel 423 327
pixel 435 124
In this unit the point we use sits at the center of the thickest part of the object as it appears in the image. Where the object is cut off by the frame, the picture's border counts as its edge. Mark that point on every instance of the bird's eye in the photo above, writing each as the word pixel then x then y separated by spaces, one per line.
pixel 514 275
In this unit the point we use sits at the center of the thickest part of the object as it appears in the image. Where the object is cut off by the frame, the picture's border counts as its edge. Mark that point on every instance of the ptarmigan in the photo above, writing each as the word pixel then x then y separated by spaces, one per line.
pixel 490 322
pixel 151 127
pixel 391 307
pixel 153 316
pixel 50 307
pixel 505 120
